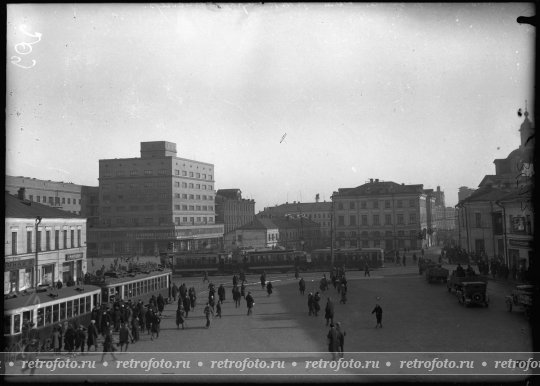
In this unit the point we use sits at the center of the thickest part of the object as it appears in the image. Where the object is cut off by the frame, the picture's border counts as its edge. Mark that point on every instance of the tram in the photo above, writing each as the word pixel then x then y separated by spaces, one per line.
pixel 45 308
pixel 350 257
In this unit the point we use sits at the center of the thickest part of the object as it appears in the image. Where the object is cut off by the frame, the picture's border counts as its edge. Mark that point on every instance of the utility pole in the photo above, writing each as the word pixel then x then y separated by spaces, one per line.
pixel 332 215
pixel 36 275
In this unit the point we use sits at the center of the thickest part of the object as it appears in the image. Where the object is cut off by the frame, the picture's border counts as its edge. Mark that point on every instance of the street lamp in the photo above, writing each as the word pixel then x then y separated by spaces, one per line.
pixel 38 221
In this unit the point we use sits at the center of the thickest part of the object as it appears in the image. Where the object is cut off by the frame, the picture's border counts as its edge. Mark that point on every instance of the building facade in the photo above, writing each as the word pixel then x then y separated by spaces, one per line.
pixel 319 212
pixel 232 210
pixel 156 203
pixel 260 233
pixel 497 220
pixel 41 239
pixel 381 214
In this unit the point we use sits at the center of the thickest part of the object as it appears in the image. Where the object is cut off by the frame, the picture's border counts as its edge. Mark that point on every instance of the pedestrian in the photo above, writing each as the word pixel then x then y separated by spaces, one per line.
pixel 160 303
pixel 341 337
pixel 56 339
pixel 124 337
pixel 263 280
pixel 187 305
pixel 149 319
pixel 243 290
pixel 302 286
pixel 80 338
pixel 218 309
pixel 174 291
pixel 310 304
pixel 269 288
pixel 250 303
pixel 333 341
pixel 221 293
pixel 234 280
pixel 192 298
pixel 180 314
pixel 208 312
pixel 329 312
pixel 155 326
pixel 378 314
pixel 316 305
pixel 135 329
pixel 366 270
pixel 69 339
pixel 108 345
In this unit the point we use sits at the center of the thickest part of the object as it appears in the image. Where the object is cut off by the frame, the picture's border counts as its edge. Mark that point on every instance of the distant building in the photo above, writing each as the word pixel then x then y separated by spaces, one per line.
pixel 319 212
pixel 232 210
pixel 382 214
pixel 260 233
pixel 59 245
pixel 464 192
pixel 156 203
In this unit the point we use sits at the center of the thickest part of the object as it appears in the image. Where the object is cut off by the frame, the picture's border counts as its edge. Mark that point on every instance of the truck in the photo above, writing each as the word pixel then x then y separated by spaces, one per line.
pixel 521 296
pixel 455 280
pixel 436 273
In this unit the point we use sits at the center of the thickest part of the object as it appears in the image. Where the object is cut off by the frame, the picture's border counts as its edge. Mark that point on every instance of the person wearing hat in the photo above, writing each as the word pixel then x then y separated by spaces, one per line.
pixel 124 336
pixel 56 339
pixel 207 312
pixel 341 337
pixel 80 338
pixel 378 314
pixel 333 341
pixel 329 311
pixel 92 335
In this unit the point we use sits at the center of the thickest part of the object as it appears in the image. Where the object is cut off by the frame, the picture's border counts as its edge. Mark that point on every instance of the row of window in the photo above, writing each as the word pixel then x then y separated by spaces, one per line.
pixel 73 242
pixel 375 204
pixel 135 221
pixel 186 196
pixel 138 288
pixel 135 208
pixel 193 220
pixel 156 184
pixel 55 200
pixel 400 219
pixel 377 234
pixel 159 172
pixel 388 245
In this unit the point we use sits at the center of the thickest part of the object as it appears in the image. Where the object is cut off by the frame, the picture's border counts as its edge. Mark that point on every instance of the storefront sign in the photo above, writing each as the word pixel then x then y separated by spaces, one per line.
pixel 19 264
pixel 521 243
pixel 74 256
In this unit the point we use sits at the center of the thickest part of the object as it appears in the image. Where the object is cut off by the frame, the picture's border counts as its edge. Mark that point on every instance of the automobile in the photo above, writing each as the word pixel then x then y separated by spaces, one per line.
pixel 472 292
pixel 436 273
pixel 454 280
pixel 521 296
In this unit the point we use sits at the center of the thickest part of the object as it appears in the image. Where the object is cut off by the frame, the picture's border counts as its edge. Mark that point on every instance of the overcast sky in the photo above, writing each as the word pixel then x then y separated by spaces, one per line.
pixel 286 100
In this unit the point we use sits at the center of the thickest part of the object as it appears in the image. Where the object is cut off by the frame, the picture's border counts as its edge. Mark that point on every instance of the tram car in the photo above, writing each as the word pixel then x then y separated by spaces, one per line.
pixel 44 308
pixel 350 257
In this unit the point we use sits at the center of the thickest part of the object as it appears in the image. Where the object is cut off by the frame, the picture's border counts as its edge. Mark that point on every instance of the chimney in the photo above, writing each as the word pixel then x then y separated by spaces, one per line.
pixel 376 180
pixel 371 180
pixel 21 194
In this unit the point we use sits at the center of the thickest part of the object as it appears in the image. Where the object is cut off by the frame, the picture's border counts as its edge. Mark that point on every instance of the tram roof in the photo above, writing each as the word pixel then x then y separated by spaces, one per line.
pixel 128 277
pixel 35 298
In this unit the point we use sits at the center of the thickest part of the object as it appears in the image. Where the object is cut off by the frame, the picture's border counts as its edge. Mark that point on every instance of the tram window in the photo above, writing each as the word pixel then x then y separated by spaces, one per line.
pixel 145 287
pixel 126 291
pixel 17 323
pixel 69 309
pixel 63 311
pixel 56 312
pixel 81 306
pixel 75 307
pixel 40 317
pixel 88 303
pixel 48 315
pixel 7 324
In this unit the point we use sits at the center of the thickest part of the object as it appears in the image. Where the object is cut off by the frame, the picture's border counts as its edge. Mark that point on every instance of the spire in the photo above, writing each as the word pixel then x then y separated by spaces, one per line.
pixel 526 112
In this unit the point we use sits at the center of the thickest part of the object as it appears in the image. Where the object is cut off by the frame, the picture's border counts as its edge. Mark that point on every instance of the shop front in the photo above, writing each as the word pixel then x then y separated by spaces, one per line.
pixel 18 275
pixel 72 269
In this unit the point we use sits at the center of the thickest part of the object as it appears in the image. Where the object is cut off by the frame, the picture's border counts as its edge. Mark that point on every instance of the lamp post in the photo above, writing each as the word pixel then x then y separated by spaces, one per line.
pixel 38 221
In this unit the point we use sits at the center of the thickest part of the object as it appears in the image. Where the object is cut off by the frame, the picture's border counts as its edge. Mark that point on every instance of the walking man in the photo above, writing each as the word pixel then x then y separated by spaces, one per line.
pixel 250 303
pixel 333 342
pixel 329 312
pixel 207 312
pixel 378 314
pixel 341 337
pixel 302 285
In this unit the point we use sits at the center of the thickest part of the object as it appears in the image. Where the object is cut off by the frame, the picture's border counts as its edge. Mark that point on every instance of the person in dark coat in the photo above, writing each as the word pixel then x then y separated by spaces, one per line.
pixel 187 305
pixel 56 339
pixel 124 337
pixel 302 286
pixel 366 270
pixel 316 305
pixel 183 290
pixel 329 312
pixel 221 293
pixel 310 304
pixel 149 316
pixel 135 329
pixel 250 303
pixel 160 303
pixel 174 291
pixel 243 290
pixel 333 341
pixel 105 322
pixel 263 280
pixel 80 338
pixel 341 336
pixel 156 321
pixel 117 316
pixel 180 315
pixel 234 280
pixel 69 339
pixel 208 312
pixel 192 298
pixel 378 314
pixel 108 344
pixel 269 288
pixel 237 296
pixel 218 309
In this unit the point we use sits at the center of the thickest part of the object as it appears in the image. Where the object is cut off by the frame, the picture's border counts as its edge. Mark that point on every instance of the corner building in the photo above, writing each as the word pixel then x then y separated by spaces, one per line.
pixel 156 203
pixel 381 215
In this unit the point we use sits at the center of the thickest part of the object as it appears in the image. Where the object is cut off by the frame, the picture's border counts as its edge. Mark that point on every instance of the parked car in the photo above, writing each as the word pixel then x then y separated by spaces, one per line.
pixel 472 292
pixel 436 273
pixel 455 280
pixel 521 296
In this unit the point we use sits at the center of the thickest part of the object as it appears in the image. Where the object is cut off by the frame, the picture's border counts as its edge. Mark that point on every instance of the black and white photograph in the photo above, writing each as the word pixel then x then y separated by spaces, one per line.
pixel 270 192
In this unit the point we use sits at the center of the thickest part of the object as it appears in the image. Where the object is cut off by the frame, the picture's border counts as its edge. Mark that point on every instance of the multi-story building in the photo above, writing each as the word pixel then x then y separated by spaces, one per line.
pixel 156 203
pixel 496 221
pixel 66 196
pixel 260 233
pixel 319 212
pixel 381 214
pixel 232 210
pixel 43 240
pixel 301 234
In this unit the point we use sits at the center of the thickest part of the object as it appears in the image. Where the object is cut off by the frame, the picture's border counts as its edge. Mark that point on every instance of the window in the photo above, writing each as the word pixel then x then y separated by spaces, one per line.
pixel 176 172
pixel 177 220
pixel 364 219
pixel 340 205
pixel 65 239
pixel 147 172
pixel 376 219
pixel 191 197
pixel 29 241
pixel 177 184
pixel 341 220
pixel 38 241
pixel 78 237
pixel 400 219
pixel 72 234
pixel 412 218
pixel 375 204
pixel 352 219
pixel 363 204
pixel 351 205
pixel 56 239
pixel 57 200
pixel 133 173
pixel 386 204
pixel 191 174
pixel 184 207
pixel 478 220
pixel 399 203
pixel 184 173
pixel 162 172
pixel 177 207
pixel 13 243
pixel 198 186
pixel 198 175
pixel 387 219
pixel 38 198
pixel 411 204
pixel 209 176
pixel 177 195
pixel 63 200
